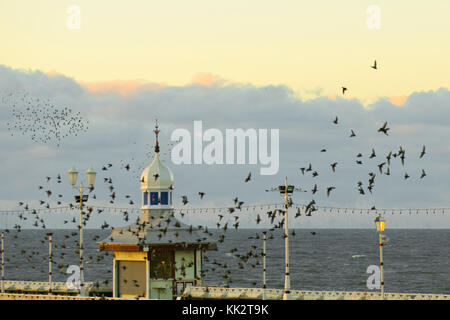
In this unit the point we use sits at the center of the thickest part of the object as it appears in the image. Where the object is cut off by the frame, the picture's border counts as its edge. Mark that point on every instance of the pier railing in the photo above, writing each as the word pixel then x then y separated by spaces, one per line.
pixel 39 287
pixel 277 294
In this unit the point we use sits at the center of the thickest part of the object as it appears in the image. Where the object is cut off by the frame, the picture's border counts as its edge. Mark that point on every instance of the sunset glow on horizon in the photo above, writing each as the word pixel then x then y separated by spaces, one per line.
pixel 312 48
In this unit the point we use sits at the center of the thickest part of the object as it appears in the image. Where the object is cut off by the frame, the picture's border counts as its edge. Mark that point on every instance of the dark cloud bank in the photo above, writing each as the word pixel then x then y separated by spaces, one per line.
pixel 120 132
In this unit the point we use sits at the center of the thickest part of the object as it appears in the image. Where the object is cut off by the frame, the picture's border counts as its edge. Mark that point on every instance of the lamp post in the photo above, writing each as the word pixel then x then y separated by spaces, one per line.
pixel 380 224
pixel 264 265
pixel 50 260
pixel 284 190
pixel 90 177
pixel 3 264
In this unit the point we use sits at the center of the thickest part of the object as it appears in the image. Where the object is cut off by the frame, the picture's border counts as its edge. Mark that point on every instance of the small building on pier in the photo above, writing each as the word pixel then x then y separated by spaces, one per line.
pixel 156 257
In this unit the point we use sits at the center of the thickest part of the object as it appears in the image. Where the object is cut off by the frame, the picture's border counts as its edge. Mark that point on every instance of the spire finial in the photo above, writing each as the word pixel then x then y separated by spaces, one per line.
pixel 156 131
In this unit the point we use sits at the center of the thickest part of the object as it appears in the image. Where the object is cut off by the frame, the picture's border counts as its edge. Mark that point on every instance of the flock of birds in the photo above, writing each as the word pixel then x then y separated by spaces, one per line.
pixel 46 122
pixel 43 121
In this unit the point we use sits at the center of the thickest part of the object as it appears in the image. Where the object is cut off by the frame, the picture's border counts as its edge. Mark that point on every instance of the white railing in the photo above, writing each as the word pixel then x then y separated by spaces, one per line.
pixel 277 294
pixel 42 286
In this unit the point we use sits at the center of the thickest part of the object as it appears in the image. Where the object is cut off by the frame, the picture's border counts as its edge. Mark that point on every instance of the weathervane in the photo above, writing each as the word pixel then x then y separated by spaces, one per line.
pixel 156 131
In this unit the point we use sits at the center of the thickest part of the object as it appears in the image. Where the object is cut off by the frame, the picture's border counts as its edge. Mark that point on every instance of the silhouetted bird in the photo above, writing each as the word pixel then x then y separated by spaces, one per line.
pixel 374 65
pixel 423 174
pixel 422 153
pixel 384 129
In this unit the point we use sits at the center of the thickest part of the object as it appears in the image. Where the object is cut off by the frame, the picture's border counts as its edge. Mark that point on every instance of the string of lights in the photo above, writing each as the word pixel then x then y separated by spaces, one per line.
pixel 234 209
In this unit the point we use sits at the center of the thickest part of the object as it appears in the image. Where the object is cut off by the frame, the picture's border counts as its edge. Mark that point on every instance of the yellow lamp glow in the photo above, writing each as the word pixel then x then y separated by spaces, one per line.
pixel 380 224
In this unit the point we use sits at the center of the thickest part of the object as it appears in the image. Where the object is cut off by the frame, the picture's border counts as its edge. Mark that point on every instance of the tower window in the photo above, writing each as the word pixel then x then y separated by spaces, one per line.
pixel 153 198
pixel 145 198
pixel 164 198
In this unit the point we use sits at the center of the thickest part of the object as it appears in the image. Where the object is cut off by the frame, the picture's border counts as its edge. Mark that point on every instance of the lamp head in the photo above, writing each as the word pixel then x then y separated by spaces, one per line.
pixel 73 174
pixel 90 176
pixel 380 223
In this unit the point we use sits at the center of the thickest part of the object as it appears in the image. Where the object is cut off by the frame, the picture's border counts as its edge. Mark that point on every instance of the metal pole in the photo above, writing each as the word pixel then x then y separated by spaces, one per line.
pixel 82 293
pixel 264 265
pixel 3 265
pixel 287 282
pixel 147 277
pixel 50 259
pixel 381 264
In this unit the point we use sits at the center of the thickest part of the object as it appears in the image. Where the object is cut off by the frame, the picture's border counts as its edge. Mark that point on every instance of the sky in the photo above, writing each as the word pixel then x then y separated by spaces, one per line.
pixel 234 64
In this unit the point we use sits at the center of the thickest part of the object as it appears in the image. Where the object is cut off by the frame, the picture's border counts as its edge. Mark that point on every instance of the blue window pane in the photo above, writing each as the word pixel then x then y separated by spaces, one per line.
pixel 164 198
pixel 153 198
pixel 145 198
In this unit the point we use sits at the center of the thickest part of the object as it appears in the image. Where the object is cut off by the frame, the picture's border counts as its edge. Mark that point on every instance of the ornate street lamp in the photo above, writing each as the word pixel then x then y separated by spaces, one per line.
pixel 284 191
pixel 90 177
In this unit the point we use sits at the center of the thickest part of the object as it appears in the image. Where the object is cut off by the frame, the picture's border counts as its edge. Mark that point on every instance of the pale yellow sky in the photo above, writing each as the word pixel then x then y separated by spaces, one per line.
pixel 310 46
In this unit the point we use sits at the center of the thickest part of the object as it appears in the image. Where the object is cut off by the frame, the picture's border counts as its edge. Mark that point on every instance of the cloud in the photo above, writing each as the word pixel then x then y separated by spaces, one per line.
pixel 398 100
pixel 121 116
pixel 120 87
pixel 206 79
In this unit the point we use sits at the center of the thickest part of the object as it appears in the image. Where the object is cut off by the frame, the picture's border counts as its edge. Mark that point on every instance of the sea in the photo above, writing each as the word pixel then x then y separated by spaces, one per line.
pixel 415 260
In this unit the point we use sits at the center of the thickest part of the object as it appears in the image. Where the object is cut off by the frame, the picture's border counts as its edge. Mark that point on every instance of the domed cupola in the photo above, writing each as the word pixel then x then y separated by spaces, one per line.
pixel 156 182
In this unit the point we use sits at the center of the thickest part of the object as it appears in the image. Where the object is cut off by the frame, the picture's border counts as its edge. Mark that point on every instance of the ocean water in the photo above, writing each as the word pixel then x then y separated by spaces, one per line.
pixel 415 261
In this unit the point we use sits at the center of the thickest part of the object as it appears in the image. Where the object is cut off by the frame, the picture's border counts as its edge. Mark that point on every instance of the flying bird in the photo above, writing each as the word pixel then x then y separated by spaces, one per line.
pixel 333 166
pixel 422 153
pixel 423 174
pixel 314 190
pixel 374 65
pixel 388 158
pixel 384 129
pixel 329 189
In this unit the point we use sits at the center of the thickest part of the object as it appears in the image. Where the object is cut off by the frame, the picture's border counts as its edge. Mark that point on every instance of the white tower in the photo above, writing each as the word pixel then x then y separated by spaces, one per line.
pixel 156 186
